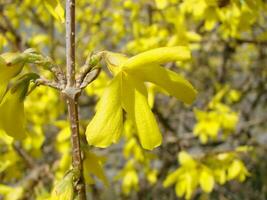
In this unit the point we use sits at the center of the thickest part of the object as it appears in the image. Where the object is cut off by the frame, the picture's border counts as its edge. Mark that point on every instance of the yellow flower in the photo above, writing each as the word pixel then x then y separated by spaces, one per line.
pixel 130 182
pixel 151 176
pixel 129 176
pixel 12 119
pixel 64 189
pixel 127 92
pixel 93 165
pixel 7 72
pixel 55 8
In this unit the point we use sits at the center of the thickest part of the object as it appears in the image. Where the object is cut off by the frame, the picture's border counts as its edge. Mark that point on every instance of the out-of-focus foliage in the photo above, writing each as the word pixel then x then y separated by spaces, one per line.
pixel 205 172
pixel 55 8
pixel 227 40
pixel 219 117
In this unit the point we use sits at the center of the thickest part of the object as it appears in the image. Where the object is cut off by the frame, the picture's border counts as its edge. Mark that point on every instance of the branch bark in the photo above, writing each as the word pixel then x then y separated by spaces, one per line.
pixel 71 93
pixel 70 42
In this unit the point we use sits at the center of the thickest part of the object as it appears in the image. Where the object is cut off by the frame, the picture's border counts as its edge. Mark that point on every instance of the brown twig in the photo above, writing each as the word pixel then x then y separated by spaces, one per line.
pixel 46 82
pixel 71 93
pixel 12 30
pixel 24 155
pixel 250 41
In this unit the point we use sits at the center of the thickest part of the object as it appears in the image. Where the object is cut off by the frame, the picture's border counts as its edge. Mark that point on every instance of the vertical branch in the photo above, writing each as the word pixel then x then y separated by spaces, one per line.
pixel 76 150
pixel 72 93
pixel 70 42
pixel 52 36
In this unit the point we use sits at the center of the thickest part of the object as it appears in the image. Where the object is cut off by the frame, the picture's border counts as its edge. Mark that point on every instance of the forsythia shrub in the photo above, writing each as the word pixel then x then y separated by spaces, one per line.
pixel 127 135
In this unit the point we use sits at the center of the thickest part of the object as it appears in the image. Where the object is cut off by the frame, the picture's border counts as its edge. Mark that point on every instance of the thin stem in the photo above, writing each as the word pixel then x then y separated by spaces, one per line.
pixel 24 155
pixel 72 92
pixel 70 42
pixel 76 150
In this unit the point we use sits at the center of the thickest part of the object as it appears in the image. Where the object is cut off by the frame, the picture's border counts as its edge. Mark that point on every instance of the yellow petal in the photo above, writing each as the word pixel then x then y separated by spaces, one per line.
pixel 15 193
pixel 235 169
pixel 170 81
pixel 186 159
pixel 158 56
pixel 7 72
pixel 114 61
pixel 56 9
pixel 172 177
pixel 206 180
pixel 180 188
pixel 130 182
pixel 220 175
pixel 3 87
pixel 161 4
pixel 93 166
pixel 136 105
pixel 12 119
pixel 106 126
pixel 190 184
pixel 152 176
pixel 64 189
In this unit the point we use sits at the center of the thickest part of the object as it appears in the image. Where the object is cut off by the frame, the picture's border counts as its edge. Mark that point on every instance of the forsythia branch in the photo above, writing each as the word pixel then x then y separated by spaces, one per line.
pixel 72 92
